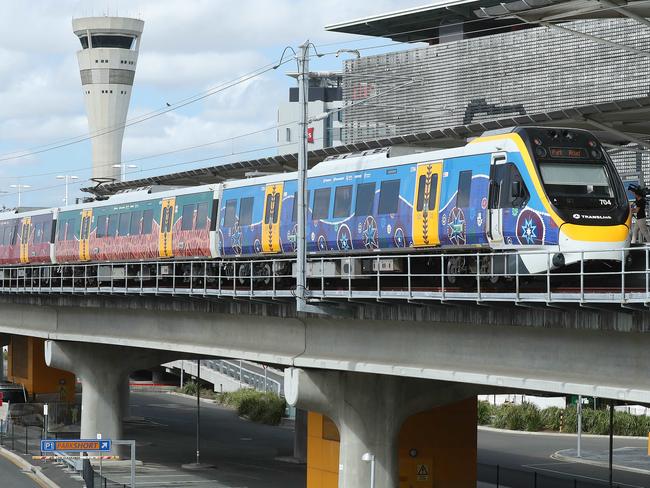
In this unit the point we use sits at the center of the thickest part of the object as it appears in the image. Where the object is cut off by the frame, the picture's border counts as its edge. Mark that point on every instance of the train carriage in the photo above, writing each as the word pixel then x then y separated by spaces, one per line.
pixel 25 238
pixel 524 188
pixel 138 226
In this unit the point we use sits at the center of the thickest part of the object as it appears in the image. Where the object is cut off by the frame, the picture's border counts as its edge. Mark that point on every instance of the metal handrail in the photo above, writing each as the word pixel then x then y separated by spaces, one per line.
pixel 272 278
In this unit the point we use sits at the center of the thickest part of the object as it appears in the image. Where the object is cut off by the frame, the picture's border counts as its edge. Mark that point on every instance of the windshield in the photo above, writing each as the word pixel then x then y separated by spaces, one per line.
pixel 582 184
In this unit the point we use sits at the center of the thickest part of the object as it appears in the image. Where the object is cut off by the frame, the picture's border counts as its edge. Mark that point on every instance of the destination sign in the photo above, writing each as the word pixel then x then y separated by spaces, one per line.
pixel 568 152
pixel 50 445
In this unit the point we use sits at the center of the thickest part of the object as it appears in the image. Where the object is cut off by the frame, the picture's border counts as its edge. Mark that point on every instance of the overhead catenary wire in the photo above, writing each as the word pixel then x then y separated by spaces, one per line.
pixel 150 115
pixel 254 73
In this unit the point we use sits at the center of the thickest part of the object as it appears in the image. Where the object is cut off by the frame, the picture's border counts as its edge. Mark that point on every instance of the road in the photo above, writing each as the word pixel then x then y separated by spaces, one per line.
pixel 12 476
pixel 528 453
pixel 243 452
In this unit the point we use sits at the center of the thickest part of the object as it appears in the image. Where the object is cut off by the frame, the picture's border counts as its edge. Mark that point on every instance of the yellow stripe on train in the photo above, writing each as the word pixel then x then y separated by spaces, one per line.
pixel 593 233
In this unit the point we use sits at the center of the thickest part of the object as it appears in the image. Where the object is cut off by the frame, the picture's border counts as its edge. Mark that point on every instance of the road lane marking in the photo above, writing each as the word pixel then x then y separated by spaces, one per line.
pixel 578 476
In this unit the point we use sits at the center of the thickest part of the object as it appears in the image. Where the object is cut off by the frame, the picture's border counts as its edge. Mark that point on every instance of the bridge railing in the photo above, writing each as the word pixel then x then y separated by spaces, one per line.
pixel 605 276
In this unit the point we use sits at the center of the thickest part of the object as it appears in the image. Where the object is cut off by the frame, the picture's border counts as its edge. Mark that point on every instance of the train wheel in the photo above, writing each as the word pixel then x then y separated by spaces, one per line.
pixel 264 274
pixel 454 267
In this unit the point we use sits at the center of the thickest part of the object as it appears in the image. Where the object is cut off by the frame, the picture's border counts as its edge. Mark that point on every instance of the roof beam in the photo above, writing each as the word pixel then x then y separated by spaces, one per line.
pixel 591 38
pixel 624 11
pixel 616 132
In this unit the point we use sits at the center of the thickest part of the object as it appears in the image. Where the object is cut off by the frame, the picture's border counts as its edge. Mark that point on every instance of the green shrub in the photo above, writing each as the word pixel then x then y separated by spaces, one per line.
pixel 189 388
pixel 485 413
pixel 551 418
pixel 518 417
pixel 266 408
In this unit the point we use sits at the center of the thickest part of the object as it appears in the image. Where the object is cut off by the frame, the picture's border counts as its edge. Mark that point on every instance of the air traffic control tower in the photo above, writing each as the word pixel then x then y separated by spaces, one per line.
pixel 107 61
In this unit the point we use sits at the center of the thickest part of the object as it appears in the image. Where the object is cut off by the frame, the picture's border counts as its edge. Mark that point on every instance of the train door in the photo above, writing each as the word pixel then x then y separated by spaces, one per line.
pixel 498 185
pixel 84 234
pixel 271 223
pixel 24 239
pixel 166 225
pixel 425 204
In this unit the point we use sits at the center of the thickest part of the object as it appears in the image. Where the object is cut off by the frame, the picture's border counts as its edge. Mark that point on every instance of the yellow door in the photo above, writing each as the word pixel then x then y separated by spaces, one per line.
pixel 24 239
pixel 425 204
pixel 166 225
pixel 84 235
pixel 271 222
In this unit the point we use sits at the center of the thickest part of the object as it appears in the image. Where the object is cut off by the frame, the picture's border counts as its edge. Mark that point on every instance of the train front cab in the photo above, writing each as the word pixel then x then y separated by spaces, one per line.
pixel 581 193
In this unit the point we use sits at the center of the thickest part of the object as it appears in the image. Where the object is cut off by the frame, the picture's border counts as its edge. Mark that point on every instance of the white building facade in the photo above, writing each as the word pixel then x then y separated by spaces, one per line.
pixel 107 63
pixel 325 96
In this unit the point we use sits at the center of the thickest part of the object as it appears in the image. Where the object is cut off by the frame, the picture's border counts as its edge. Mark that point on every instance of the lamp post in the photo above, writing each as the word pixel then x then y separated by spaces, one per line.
pixel 67 179
pixel 370 458
pixel 124 167
pixel 19 187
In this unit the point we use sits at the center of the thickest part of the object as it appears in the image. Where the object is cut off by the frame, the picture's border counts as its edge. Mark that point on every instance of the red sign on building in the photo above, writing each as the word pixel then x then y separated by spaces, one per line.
pixel 310 135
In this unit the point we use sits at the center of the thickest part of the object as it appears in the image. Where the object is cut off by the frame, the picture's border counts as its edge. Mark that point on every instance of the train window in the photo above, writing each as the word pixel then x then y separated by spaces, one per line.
pixel 464 188
pixel 101 226
pixel 276 205
pixel 433 189
pixel 294 210
pixel 38 233
pixel 136 218
pixel 201 216
pixel 85 227
pixel 321 207
pixel 229 216
pixel 342 201
pixel 187 219
pixel 47 231
pixel 267 208
pixel 365 199
pixel 124 223
pixel 112 225
pixel 246 211
pixel 388 197
pixel 147 221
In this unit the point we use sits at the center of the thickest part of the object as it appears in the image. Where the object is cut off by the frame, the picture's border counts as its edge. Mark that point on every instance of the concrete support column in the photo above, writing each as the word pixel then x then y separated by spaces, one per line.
pixel 300 436
pixel 369 411
pixel 104 373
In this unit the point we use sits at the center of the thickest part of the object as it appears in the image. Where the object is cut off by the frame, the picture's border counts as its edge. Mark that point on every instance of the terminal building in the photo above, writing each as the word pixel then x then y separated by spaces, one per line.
pixel 482 66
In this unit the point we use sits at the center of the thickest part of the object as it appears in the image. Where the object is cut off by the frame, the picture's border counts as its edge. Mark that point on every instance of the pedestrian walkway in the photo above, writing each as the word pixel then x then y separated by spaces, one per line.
pixel 633 459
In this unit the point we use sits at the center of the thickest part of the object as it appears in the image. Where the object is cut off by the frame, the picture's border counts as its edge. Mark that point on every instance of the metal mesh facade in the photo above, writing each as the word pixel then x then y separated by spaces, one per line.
pixel 522 72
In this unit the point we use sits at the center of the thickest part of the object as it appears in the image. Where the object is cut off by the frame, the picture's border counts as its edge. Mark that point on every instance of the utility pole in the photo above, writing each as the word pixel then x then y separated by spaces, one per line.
pixel 301 244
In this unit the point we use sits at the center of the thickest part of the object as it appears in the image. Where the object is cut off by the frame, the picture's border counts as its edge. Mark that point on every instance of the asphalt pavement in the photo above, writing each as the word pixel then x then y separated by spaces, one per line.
pixel 12 476
pixel 520 455
pixel 244 453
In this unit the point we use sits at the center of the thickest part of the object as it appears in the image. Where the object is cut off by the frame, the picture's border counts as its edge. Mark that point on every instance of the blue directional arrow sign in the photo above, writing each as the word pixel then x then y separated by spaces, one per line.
pixel 50 445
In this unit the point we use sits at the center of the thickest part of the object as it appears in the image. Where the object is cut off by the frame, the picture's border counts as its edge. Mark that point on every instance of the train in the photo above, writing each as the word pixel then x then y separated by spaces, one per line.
pixel 521 189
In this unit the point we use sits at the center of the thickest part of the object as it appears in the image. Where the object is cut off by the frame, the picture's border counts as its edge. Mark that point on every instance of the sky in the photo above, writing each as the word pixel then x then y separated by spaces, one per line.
pixel 188 47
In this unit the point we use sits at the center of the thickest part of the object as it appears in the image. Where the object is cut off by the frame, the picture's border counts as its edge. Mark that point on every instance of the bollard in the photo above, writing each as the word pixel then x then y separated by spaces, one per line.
pixel 2 432
pixel 13 437
pixel 26 431
pixel 497 476
pixel 561 420
pixel 535 479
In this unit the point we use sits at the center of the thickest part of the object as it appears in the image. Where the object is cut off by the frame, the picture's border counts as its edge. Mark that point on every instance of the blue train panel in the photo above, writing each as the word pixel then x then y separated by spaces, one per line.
pixel 464 201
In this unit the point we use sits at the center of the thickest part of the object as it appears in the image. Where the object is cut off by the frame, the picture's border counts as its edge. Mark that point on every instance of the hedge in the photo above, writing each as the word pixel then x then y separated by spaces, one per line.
pixel 266 408
pixel 527 416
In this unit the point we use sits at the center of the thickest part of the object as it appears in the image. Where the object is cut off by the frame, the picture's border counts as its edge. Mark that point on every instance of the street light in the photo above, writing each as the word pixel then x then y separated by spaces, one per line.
pixel 124 167
pixel 19 187
pixel 370 458
pixel 67 179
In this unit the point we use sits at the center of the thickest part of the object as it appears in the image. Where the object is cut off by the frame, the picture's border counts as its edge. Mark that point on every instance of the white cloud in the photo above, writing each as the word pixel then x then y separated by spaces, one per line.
pixel 188 46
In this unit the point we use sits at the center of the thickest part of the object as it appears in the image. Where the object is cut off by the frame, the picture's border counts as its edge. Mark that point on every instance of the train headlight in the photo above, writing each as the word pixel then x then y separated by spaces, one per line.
pixel 558 260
